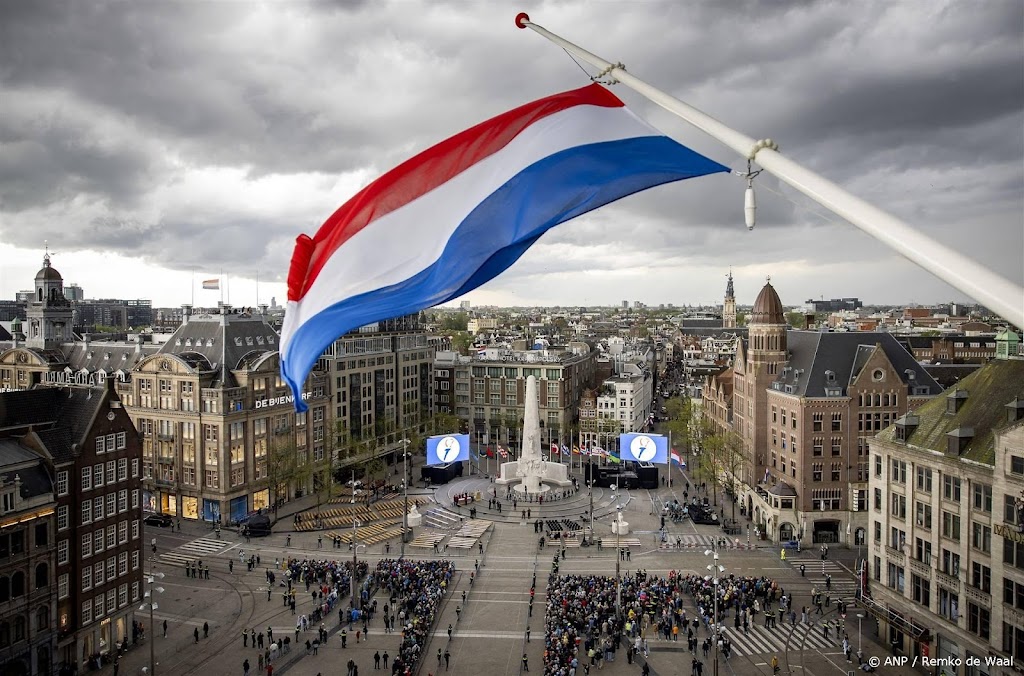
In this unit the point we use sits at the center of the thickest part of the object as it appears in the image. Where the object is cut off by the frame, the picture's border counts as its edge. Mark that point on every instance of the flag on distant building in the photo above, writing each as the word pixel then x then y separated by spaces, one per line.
pixel 597 451
pixel 502 452
pixel 211 284
pixel 490 453
pixel 766 474
pixel 576 450
pixel 565 450
pixel 460 213
pixel 554 449
pixel 613 458
pixel 676 457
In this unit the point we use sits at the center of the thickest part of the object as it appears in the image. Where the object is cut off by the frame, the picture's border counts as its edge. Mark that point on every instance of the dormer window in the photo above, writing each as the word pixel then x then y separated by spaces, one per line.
pixel 955 401
pixel 958 439
pixel 8 501
pixel 905 426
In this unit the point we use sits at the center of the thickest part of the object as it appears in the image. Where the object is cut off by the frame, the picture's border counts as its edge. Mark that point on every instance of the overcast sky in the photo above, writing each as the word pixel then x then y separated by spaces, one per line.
pixel 145 139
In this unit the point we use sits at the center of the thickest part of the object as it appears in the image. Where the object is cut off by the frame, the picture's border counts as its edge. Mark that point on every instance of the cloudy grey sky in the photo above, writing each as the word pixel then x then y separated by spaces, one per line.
pixel 144 139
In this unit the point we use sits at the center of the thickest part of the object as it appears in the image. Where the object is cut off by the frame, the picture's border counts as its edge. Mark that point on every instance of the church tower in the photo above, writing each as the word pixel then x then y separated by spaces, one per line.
pixel 729 307
pixel 49 315
pixel 759 363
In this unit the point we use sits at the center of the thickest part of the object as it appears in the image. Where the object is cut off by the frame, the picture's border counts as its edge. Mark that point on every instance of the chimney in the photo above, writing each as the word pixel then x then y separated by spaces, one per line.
pixel 186 312
pixel 809 320
pixel 955 401
pixel 1015 410
pixel 263 309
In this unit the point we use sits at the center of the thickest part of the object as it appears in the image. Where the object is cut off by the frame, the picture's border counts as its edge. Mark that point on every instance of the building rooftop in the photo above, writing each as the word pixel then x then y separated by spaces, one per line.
pixel 983 411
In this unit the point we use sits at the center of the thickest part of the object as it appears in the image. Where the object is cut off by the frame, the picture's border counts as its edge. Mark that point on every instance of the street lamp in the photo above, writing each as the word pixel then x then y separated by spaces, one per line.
pixel 150 579
pixel 405 492
pixel 355 563
pixel 590 488
pixel 618 557
pixel 715 571
pixel 860 642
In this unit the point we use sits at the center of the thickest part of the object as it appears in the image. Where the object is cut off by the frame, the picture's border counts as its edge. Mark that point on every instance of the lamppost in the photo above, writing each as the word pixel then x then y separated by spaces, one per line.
pixel 355 562
pixel 860 642
pixel 715 571
pixel 150 579
pixel 590 488
pixel 618 557
pixel 405 492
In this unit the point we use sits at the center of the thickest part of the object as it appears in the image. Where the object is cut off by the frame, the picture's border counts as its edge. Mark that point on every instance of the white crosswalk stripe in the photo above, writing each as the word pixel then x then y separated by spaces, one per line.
pixel 195 550
pixel 697 541
pixel 761 640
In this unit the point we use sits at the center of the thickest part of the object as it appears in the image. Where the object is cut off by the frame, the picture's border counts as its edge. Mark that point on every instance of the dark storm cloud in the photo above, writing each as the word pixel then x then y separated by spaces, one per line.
pixel 110 110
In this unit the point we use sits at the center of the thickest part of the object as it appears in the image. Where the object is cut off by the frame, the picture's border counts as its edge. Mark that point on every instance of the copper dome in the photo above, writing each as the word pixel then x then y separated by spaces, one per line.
pixel 767 307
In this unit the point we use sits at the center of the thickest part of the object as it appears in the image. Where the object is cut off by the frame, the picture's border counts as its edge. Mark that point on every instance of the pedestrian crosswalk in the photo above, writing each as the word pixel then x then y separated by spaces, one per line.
pixel 782 637
pixel 844 585
pixel 197 549
pixel 696 541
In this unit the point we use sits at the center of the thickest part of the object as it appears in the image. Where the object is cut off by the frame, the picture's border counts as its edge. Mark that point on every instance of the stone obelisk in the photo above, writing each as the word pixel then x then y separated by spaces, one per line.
pixel 531 465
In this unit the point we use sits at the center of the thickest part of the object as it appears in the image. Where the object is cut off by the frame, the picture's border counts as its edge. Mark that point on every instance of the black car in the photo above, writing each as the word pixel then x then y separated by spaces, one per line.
pixel 705 516
pixel 161 520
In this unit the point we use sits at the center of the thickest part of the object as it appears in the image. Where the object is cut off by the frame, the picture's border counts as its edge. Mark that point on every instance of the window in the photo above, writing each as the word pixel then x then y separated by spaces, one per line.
pixel 817 446
pixel 921 590
pixel 895 577
pixel 97 475
pixel 1013 553
pixel 111 478
pixel 978 620
pixel 836 471
pixel 97 574
pixel 63 517
pixel 923 515
pixel 111 567
pixel 122 441
pixel 86 545
pixel 950 563
pixel 951 526
pixel 97 540
pixel 878 498
pixel 87 578
pixel 949 604
pixel 111 504
pixel 923 551
pixel 981 577
pixel 86 511
pixel 62 484
pixel 111 536
pixel 878 465
pixel 122 532
pixel 86 478
pixel 135 467
pixel 982 497
pixel 817 421
pixel 816 471
pixel 98 607
pixel 1013 641
pixel 63 586
pixel 100 444
pixel 135 559
pixel 897 538
pixel 924 479
pixel 135 591
pixel 951 488
pixel 981 536
pixel 135 498
pixel 122 500
pixel 878 531
pixel 63 552
pixel 837 422
pixel 87 611
pixel 135 529
pixel 1016 464
pixel 899 506
pixel 1013 593
pixel 122 596
pixel 899 471
pixel 122 562
pixel 97 509
pixel 122 469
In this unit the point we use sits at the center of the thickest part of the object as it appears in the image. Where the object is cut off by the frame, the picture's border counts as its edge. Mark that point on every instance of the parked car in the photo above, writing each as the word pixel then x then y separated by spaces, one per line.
pixel 162 520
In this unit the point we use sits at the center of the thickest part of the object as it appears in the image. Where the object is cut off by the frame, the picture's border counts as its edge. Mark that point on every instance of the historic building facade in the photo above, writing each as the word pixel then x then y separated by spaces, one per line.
pixel 947 523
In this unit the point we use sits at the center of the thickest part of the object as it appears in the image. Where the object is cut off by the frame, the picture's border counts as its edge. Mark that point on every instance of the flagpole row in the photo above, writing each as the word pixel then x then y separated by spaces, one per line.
pixel 995 292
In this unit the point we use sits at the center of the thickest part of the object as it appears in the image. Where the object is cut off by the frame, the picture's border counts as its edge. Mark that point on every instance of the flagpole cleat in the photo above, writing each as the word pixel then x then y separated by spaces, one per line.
pixel 521 19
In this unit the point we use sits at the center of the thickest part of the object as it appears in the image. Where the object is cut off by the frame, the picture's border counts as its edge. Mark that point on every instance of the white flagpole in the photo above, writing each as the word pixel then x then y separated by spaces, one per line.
pixel 998 294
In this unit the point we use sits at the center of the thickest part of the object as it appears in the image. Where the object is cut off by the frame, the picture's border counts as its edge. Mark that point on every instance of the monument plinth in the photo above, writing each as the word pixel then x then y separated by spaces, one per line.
pixel 532 474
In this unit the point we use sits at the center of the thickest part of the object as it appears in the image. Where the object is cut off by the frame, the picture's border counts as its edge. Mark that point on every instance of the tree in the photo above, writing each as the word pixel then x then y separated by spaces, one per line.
pixel 280 465
pixel 680 412
pixel 461 342
pixel 741 319
pixel 457 322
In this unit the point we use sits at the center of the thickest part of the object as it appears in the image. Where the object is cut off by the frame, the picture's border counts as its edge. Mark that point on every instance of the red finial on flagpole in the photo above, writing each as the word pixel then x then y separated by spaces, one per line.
pixel 521 18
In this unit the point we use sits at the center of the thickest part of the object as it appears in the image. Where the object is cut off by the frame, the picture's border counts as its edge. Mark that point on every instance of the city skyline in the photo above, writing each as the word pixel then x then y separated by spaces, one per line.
pixel 163 148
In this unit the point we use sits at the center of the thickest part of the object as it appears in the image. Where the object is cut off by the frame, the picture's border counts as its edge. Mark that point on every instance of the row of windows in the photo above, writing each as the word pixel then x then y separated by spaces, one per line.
pixel 109 570
pixel 101 507
pixel 111 442
pixel 20 625
pixel 111 472
pixel 14 586
pixel 102 604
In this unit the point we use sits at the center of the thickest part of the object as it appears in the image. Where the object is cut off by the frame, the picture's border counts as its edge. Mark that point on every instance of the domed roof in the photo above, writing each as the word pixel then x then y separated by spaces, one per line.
pixel 767 307
pixel 48 273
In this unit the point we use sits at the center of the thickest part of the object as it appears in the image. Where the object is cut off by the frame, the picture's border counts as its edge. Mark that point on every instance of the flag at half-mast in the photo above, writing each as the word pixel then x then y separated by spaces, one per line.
pixel 211 284
pixel 460 213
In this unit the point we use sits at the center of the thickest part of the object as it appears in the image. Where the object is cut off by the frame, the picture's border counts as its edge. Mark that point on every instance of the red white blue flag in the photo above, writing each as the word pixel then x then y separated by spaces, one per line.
pixel 460 213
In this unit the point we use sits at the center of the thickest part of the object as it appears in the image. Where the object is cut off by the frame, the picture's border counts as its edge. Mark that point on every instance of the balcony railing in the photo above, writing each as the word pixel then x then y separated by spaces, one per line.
pixel 920 567
pixel 978 596
pixel 947 580
pixel 894 555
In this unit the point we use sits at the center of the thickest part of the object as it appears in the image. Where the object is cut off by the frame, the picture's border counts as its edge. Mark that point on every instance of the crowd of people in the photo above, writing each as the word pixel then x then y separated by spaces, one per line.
pixel 416 588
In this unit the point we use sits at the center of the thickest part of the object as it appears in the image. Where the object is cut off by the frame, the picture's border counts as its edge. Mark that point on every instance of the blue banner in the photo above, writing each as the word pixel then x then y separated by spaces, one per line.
pixel 644 447
pixel 445 448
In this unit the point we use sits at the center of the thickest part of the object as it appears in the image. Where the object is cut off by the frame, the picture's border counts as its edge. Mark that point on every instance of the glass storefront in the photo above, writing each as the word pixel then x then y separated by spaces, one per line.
pixel 211 510
pixel 980 669
pixel 948 652
pixel 239 507
pixel 261 499
pixel 190 507
pixel 169 504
